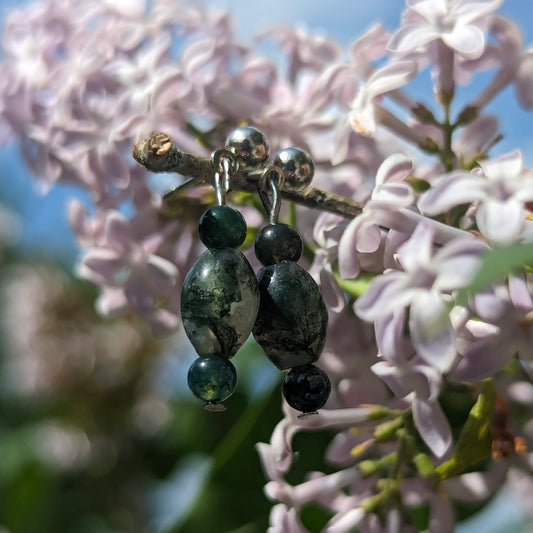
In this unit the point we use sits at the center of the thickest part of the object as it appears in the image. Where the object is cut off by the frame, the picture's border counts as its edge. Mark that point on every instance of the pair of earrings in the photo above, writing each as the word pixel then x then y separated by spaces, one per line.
pixel 222 300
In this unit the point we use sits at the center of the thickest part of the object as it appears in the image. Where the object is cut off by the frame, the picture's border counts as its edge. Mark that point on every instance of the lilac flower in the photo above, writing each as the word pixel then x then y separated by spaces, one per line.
pixel 134 274
pixel 514 65
pixel 475 137
pixel 285 520
pixel 363 233
pixel 504 328
pixel 326 234
pixel 454 22
pixel 302 49
pixel 388 78
pixel 498 189
pixel 420 385
pixel 422 284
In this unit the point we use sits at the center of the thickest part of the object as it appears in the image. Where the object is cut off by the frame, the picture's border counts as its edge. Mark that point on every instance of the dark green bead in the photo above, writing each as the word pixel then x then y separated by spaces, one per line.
pixel 219 302
pixel 306 388
pixel 212 378
pixel 292 319
pixel 276 243
pixel 222 226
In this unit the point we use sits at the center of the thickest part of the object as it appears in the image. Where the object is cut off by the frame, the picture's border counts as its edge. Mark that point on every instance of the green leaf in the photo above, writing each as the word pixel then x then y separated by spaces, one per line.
pixel 497 264
pixel 355 287
pixel 475 440
pixel 232 496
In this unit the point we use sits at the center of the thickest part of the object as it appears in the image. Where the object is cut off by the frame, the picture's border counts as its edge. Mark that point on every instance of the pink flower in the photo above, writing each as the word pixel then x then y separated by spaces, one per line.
pixel 132 273
pixel 303 50
pixel 452 21
pixel 498 189
pixel 363 234
pixel 422 285
pixel 386 79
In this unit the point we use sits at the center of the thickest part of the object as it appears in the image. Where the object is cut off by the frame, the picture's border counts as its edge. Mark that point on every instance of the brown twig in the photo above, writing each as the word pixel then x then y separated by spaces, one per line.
pixel 158 153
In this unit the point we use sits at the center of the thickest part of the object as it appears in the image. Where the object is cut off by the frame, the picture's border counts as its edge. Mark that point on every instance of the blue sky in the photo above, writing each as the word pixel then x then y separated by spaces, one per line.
pixel 45 228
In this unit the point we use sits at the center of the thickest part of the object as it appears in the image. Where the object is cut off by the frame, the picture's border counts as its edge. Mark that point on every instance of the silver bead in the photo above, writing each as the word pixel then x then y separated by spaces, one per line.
pixel 249 146
pixel 297 166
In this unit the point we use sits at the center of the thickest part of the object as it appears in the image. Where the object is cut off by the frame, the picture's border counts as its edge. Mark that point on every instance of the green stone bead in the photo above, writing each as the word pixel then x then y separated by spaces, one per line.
pixel 222 226
pixel 306 388
pixel 212 378
pixel 278 242
pixel 292 320
pixel 219 302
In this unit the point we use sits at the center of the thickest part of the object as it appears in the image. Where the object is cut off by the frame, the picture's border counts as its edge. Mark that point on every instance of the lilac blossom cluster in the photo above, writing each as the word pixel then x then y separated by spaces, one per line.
pixel 83 81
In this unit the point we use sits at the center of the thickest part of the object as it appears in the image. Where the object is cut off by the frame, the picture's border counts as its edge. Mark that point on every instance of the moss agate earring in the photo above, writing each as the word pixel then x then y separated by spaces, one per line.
pixel 220 298
pixel 292 320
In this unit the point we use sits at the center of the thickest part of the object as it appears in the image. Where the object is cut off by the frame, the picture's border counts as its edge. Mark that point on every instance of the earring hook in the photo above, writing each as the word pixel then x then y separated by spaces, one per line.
pixel 225 165
pixel 271 179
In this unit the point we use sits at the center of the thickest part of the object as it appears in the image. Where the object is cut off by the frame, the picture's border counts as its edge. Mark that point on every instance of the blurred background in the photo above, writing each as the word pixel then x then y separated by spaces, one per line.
pixel 98 431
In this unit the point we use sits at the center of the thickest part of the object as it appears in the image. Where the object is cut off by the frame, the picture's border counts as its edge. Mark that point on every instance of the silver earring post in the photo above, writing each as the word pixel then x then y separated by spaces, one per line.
pixel 225 165
pixel 272 181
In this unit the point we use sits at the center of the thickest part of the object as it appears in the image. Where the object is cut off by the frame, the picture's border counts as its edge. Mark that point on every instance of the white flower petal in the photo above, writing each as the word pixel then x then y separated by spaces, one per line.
pixel 394 169
pixel 385 294
pixel 333 295
pixel 451 190
pixel 389 337
pixel 393 195
pixel 411 37
pixel 467 41
pixel 502 168
pixel 117 231
pixel 345 522
pixel 458 261
pixel 469 10
pixel 162 272
pixel 500 221
pixel 432 426
pixel 431 330
pixel 348 262
pixel 390 77
pixel 524 81
pixel 428 9
pixel 417 251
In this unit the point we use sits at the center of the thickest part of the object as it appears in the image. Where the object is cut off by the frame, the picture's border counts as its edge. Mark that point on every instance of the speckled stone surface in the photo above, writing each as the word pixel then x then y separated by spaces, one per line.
pixel 292 319
pixel 219 302
pixel 212 378
pixel 221 226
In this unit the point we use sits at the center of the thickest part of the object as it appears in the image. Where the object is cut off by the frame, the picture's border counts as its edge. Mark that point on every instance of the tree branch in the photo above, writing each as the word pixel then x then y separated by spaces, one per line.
pixel 158 153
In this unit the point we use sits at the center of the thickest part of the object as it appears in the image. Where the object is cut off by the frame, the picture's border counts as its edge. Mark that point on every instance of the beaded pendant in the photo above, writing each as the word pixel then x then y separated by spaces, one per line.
pixel 292 320
pixel 219 300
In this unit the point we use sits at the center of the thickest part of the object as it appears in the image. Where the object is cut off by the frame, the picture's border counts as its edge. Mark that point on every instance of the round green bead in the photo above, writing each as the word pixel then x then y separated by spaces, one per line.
pixel 276 243
pixel 222 226
pixel 212 378
pixel 306 388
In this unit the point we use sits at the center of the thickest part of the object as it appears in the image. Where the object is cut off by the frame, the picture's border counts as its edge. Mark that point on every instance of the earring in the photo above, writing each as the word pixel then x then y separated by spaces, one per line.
pixel 220 298
pixel 292 319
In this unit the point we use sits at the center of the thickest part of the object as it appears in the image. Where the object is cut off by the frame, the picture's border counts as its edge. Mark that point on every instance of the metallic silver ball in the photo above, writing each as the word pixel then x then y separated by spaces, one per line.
pixel 297 166
pixel 249 146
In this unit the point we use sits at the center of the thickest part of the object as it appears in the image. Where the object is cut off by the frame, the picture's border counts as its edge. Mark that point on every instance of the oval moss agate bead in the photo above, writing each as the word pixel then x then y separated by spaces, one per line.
pixel 292 319
pixel 212 378
pixel 222 226
pixel 306 388
pixel 219 302
pixel 276 243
